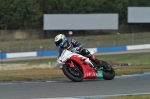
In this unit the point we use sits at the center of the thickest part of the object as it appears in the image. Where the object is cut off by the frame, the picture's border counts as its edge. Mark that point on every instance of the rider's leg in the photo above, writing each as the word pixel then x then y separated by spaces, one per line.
pixel 95 60
pixel 86 53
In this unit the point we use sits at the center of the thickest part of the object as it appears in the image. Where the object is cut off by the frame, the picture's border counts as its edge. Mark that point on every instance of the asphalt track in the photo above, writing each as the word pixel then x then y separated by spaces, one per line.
pixel 63 88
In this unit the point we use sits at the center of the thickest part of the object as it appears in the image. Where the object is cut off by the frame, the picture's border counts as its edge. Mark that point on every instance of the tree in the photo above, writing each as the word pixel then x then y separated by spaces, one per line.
pixel 22 14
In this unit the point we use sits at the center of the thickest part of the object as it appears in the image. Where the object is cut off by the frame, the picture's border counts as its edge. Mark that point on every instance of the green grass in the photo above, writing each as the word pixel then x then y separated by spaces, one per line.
pixel 35 71
pixel 87 41
pixel 133 59
pixel 146 96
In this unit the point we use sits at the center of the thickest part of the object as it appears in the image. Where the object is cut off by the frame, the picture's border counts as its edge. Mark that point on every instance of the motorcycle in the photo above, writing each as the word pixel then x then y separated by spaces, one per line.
pixel 77 67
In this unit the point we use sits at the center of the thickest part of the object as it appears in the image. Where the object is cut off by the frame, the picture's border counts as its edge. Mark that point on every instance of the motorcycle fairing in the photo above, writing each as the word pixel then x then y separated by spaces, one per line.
pixel 89 72
pixel 100 74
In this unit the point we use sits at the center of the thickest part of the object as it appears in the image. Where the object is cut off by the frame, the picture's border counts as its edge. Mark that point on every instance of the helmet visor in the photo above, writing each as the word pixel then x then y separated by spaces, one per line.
pixel 62 43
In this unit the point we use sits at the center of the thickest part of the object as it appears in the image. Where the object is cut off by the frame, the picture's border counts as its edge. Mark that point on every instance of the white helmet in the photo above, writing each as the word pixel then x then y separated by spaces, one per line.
pixel 60 40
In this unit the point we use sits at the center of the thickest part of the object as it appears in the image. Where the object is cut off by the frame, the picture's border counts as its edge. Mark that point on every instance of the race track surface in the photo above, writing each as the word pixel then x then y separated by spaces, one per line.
pixel 64 88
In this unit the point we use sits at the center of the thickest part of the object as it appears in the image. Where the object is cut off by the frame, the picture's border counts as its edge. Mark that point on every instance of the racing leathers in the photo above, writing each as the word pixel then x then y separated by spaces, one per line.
pixel 75 46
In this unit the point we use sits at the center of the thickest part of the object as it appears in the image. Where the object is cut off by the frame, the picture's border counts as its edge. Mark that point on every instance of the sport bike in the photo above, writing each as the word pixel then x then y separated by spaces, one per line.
pixel 77 67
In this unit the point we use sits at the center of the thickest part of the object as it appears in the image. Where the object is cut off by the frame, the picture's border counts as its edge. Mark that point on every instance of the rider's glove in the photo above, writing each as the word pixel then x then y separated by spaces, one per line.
pixel 76 50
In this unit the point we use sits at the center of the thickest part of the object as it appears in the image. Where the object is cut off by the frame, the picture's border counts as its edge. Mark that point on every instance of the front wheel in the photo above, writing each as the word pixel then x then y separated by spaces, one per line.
pixel 73 73
pixel 108 71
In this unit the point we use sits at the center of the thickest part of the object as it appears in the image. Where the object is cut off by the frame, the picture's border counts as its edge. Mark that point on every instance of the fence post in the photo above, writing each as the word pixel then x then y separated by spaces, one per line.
pixel 29 46
pixel 117 42
pixel 49 64
pixel 7 46
pixel 1 59
pixel 22 48
pixel 132 38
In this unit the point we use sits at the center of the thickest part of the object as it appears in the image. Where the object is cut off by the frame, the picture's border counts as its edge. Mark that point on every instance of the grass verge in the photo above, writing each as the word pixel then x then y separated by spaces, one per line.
pixel 32 74
pixel 87 41
pixel 34 71
pixel 145 96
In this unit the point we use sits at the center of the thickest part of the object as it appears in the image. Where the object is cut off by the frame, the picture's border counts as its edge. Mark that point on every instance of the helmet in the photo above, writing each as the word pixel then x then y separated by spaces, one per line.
pixel 60 40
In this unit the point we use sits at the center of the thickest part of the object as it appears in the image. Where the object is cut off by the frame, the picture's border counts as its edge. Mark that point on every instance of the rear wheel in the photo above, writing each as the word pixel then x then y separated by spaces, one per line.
pixel 73 73
pixel 108 71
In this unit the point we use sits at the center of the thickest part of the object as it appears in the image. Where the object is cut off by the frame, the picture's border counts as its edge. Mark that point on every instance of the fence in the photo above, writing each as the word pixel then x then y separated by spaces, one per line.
pixel 87 41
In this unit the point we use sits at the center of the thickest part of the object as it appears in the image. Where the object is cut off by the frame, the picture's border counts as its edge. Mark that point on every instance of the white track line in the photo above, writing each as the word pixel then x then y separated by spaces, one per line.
pixel 95 96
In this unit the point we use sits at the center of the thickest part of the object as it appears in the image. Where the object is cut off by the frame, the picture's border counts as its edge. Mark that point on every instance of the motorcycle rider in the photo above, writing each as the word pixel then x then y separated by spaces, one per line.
pixel 73 45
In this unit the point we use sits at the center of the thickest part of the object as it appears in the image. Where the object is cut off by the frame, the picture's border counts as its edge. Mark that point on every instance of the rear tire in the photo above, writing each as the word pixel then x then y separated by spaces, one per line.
pixel 76 76
pixel 107 74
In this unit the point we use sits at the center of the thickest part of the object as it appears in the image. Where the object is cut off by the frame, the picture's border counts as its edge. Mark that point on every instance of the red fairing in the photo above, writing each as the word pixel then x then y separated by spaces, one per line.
pixel 89 73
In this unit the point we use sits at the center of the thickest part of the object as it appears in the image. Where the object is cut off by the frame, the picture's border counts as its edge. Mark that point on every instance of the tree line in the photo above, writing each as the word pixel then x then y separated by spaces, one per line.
pixel 28 14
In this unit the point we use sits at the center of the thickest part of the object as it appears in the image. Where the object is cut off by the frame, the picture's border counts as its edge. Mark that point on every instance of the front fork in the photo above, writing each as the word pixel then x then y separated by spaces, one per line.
pixel 74 70
pixel 70 63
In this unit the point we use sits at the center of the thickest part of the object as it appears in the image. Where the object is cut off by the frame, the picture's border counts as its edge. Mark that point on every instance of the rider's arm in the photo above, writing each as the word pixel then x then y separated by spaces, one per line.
pixel 75 43
pixel 59 53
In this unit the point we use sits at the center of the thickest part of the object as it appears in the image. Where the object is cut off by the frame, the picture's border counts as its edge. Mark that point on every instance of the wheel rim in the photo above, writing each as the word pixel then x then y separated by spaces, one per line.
pixel 108 71
pixel 75 72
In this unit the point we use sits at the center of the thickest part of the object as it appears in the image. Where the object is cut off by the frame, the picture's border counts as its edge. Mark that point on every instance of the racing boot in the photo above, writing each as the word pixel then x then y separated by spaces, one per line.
pixel 97 63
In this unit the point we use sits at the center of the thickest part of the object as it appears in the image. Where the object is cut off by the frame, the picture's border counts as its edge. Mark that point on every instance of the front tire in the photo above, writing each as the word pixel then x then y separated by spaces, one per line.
pixel 72 74
pixel 108 74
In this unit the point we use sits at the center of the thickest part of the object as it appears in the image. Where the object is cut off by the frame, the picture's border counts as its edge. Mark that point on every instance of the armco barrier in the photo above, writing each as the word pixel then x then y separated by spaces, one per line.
pixel 138 47
pixel 112 49
pixel 54 52
pixel 22 54
pixel 47 53
pixel 2 56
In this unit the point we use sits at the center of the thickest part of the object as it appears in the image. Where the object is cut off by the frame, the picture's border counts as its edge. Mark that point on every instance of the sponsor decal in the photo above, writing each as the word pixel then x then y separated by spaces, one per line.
pixel 91 74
